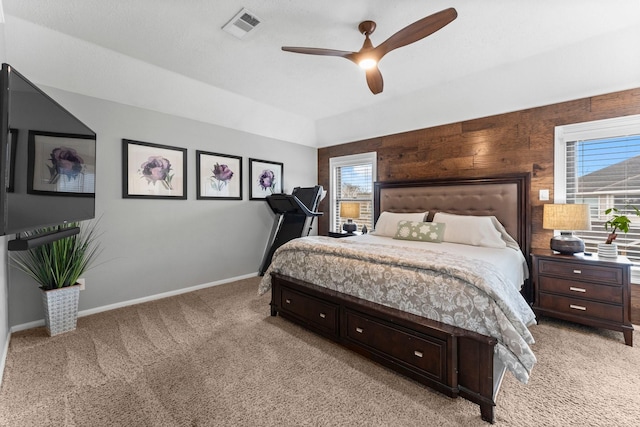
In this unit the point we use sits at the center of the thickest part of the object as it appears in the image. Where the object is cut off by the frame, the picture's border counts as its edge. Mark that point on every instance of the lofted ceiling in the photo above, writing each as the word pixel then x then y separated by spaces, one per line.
pixel 497 56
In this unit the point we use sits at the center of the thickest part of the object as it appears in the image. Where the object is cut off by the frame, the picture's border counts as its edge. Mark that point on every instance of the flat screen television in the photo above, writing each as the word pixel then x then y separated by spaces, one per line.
pixel 47 156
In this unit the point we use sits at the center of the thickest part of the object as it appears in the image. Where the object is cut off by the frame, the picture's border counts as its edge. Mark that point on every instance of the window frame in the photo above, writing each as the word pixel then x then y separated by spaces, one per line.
pixel 342 161
pixel 596 129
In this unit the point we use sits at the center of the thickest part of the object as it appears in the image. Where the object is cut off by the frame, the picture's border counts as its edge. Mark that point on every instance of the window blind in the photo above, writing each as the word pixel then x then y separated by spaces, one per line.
pixel 352 180
pixel 605 173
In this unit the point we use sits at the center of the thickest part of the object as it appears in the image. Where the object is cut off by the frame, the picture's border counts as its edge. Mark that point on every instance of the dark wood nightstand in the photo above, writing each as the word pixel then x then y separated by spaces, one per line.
pixel 340 234
pixel 584 289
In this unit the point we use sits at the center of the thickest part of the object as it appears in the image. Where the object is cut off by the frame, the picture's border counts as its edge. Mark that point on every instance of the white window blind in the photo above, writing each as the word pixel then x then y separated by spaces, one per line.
pixel 352 180
pixel 598 163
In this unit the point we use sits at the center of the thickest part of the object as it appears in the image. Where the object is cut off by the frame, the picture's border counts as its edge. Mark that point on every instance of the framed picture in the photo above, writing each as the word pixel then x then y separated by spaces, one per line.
pixel 60 164
pixel 266 178
pixel 218 176
pixel 153 171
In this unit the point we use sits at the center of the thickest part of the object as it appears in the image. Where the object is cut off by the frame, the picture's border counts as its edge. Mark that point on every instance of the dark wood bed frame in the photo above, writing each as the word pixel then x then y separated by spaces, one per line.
pixel 451 360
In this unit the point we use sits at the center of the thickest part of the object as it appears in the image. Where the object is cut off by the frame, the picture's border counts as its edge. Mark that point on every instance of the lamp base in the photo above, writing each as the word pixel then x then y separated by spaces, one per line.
pixel 349 226
pixel 567 244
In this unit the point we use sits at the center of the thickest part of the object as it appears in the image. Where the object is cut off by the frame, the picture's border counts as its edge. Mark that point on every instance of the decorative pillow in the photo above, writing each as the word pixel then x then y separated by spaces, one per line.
pixel 387 223
pixel 470 230
pixel 420 231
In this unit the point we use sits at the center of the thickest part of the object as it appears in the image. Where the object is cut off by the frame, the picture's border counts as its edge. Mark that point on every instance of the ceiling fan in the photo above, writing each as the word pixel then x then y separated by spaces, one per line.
pixel 368 56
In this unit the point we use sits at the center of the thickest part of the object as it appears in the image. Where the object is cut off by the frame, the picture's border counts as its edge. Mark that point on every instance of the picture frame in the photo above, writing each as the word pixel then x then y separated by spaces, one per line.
pixel 153 171
pixel 61 164
pixel 218 176
pixel 266 177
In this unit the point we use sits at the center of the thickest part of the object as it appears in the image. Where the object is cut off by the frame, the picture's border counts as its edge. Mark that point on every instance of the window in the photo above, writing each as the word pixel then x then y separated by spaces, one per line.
pixel 352 180
pixel 598 163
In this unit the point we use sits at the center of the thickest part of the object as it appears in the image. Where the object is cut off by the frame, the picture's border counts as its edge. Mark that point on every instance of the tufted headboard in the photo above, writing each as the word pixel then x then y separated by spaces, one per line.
pixel 505 197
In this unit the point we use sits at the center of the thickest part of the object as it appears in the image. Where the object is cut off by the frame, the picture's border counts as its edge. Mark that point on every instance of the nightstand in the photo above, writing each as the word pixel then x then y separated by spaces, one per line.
pixel 340 234
pixel 584 289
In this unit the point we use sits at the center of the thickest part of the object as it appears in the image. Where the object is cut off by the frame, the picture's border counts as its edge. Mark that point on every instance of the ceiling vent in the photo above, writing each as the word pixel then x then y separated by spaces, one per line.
pixel 241 25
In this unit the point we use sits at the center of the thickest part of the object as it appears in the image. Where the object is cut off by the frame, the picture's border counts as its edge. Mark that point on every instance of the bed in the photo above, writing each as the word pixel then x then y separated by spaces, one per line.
pixel 437 311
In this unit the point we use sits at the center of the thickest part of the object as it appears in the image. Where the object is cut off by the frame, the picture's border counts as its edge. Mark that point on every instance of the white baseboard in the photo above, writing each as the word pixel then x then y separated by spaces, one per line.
pixel 3 358
pixel 38 323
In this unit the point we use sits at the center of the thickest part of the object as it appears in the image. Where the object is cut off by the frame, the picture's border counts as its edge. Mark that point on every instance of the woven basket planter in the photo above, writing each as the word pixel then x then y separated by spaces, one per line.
pixel 61 309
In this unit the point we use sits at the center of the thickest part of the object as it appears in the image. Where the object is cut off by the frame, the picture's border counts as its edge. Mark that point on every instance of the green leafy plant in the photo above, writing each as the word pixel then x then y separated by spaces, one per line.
pixel 617 222
pixel 60 263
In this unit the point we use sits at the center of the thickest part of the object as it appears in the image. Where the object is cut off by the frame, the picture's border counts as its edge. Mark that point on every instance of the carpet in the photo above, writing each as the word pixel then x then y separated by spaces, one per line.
pixel 215 357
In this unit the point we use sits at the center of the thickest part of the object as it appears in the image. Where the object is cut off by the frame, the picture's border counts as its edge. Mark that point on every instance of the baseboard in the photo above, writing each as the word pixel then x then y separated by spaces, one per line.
pixel 38 323
pixel 3 359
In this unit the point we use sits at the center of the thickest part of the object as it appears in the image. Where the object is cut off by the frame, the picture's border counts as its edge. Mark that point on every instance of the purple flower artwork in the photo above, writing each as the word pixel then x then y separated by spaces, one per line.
pixel 267 180
pixel 221 176
pixel 64 161
pixel 157 168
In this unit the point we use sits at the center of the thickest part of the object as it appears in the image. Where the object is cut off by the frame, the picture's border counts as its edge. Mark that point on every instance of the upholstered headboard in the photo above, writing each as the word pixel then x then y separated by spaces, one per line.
pixel 505 197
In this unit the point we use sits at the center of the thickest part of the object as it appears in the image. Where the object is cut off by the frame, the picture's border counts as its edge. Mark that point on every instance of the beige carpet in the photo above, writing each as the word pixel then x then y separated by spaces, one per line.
pixel 215 357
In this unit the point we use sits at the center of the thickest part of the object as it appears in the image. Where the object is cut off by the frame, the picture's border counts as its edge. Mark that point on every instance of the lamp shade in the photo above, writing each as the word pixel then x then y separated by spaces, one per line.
pixel 566 217
pixel 350 210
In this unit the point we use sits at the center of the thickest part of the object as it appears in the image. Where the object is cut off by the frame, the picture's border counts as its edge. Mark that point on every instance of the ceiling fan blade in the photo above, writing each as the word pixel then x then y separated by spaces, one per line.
pixel 416 31
pixel 318 51
pixel 374 80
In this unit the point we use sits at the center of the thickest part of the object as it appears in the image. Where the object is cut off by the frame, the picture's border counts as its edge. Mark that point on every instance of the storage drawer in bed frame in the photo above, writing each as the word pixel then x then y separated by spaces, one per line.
pixel 453 361
pixel 424 354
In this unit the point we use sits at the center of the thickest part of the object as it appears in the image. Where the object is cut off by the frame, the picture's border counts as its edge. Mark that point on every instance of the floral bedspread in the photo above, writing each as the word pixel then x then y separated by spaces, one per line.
pixel 442 286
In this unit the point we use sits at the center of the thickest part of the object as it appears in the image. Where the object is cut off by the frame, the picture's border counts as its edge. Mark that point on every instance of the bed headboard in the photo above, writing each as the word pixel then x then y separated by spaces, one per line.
pixel 506 197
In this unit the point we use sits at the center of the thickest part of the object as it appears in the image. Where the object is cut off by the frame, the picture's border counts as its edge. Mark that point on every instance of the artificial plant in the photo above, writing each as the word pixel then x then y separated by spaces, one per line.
pixel 60 263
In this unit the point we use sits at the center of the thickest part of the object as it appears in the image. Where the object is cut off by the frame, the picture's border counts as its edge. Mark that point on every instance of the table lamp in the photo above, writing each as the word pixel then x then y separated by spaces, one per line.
pixel 349 210
pixel 566 218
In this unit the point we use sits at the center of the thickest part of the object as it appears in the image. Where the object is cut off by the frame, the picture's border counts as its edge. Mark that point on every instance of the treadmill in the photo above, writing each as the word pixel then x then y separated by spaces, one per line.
pixel 295 213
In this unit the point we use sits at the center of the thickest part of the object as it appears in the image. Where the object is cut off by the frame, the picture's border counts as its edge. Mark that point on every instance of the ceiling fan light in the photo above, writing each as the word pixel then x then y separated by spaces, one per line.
pixel 367 63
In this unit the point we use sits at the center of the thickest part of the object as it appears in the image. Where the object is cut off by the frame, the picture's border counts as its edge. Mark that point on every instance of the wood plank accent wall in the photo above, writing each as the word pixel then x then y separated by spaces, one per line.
pixel 635 304
pixel 522 141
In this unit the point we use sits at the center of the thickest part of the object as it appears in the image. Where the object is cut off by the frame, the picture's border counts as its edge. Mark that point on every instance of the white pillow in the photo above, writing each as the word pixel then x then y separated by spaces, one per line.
pixel 387 223
pixel 470 230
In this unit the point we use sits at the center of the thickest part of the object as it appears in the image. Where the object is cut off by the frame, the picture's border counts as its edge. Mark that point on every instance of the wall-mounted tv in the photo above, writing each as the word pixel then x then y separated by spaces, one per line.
pixel 47 157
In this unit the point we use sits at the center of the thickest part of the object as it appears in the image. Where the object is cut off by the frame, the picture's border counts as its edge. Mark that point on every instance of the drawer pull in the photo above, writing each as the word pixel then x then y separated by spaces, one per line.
pixel 574 289
pixel 288 301
pixel 323 315
pixel 417 353
pixel 359 330
pixel 577 307
pixel 577 271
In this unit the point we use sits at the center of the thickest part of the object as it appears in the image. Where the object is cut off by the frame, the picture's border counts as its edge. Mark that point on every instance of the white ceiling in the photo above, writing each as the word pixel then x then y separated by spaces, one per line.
pixel 172 56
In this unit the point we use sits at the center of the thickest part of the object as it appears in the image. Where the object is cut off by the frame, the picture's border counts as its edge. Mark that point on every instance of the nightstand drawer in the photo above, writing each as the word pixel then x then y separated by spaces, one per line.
pixel 577 271
pixel 571 288
pixel 583 308
pixel 585 289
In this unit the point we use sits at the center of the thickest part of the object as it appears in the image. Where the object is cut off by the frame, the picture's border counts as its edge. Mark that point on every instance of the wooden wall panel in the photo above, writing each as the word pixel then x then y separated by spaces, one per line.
pixel 635 304
pixel 520 141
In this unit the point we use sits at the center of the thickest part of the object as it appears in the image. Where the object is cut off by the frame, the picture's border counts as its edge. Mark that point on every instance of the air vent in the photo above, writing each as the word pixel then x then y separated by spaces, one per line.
pixel 241 25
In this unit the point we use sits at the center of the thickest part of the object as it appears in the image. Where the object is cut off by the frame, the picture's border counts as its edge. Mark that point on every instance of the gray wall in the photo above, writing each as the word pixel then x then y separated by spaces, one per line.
pixel 156 246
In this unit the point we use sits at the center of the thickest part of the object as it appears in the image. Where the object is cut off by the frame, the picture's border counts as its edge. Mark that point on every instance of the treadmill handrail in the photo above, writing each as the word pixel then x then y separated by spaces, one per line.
pixel 305 209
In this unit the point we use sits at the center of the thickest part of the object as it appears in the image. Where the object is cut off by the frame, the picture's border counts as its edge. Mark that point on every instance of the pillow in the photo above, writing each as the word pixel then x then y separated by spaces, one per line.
pixel 420 231
pixel 470 230
pixel 387 223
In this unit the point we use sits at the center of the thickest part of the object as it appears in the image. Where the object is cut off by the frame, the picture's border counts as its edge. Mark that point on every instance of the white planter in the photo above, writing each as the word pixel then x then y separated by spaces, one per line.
pixel 61 309
pixel 607 250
